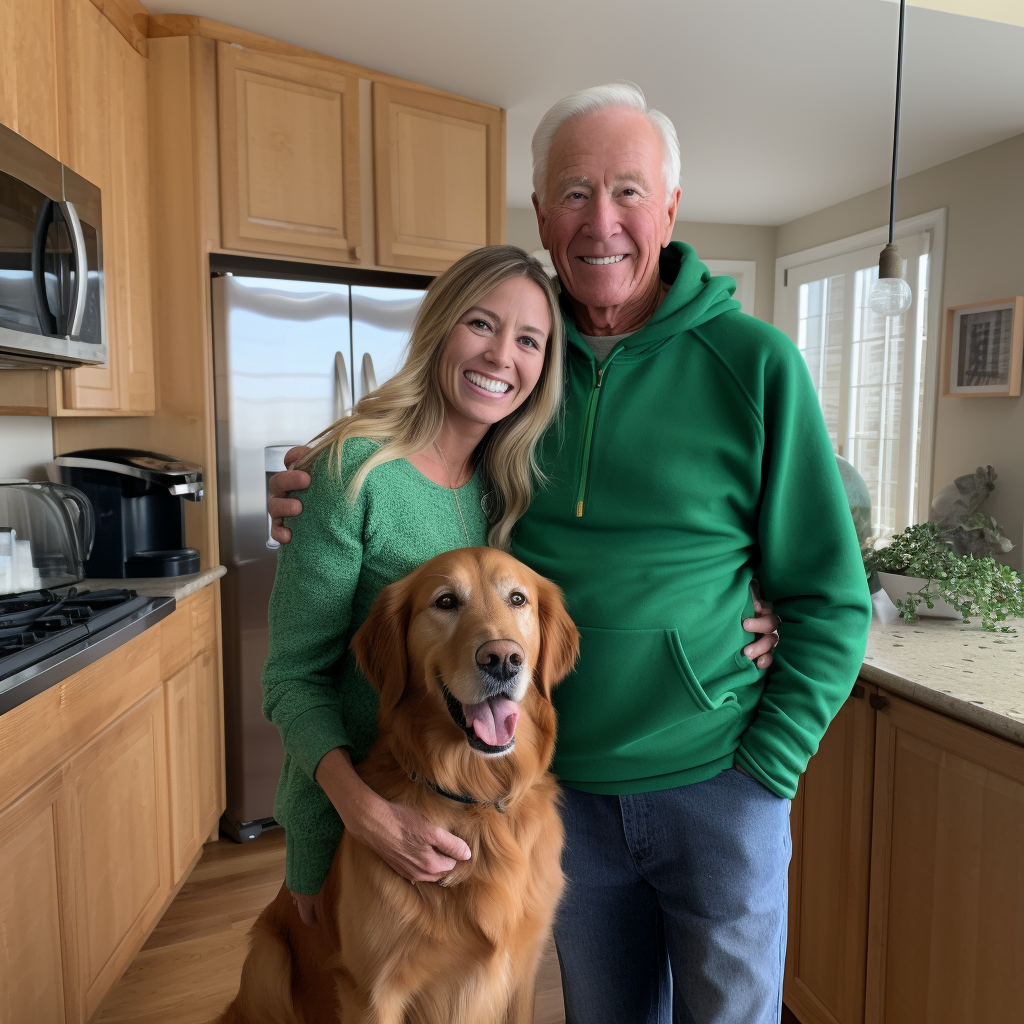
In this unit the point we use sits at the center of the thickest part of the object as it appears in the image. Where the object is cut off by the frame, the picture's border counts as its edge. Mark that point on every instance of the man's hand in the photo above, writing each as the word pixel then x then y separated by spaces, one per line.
pixel 767 625
pixel 278 506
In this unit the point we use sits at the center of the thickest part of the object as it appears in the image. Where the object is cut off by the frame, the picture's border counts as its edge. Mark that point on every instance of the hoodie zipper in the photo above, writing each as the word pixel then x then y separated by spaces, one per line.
pixel 595 397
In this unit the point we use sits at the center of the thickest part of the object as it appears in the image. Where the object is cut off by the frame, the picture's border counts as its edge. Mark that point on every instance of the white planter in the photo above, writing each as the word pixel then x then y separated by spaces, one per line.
pixel 902 586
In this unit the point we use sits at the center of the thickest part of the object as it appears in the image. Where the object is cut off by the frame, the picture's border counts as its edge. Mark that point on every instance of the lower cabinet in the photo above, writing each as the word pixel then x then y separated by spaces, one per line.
pixel 126 792
pixel 828 878
pixel 117 787
pixel 906 888
pixel 33 932
pixel 946 939
pixel 193 735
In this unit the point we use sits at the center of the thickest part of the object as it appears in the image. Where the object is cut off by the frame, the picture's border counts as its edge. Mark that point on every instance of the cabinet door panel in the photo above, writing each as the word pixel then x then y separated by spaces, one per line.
pixel 94 104
pixel 210 738
pixel 440 177
pixel 289 145
pixel 31 946
pixel 107 84
pixel 947 890
pixel 182 758
pixel 29 72
pixel 119 787
pixel 831 821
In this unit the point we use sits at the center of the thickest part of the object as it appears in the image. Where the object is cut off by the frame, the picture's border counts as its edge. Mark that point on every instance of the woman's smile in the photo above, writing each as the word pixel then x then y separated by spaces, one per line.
pixel 491 386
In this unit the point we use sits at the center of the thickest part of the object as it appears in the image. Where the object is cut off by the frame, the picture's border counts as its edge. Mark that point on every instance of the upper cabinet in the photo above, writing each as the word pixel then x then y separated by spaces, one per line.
pixel 289 151
pixel 440 176
pixel 72 85
pixel 106 83
pixel 28 72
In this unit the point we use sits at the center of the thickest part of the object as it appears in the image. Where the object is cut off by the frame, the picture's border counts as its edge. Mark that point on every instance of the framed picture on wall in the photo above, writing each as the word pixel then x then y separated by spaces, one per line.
pixel 984 344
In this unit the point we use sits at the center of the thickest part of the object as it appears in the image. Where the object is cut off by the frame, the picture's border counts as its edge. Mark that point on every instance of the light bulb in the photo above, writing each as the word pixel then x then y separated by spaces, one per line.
pixel 890 296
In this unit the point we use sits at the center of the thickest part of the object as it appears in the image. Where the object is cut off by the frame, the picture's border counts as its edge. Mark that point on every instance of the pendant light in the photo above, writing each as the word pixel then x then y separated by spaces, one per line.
pixel 890 294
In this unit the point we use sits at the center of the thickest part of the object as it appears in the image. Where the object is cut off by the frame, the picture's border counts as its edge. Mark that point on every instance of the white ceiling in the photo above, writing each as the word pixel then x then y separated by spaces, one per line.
pixel 782 107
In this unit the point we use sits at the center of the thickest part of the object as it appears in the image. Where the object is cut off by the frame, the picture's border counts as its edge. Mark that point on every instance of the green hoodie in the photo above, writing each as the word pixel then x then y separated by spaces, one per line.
pixel 692 459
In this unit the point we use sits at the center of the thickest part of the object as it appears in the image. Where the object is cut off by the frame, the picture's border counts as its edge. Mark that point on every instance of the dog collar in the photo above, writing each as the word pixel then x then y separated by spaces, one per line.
pixel 461 798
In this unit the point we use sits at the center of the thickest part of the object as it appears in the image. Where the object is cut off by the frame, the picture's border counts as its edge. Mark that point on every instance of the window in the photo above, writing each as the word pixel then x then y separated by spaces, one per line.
pixel 873 374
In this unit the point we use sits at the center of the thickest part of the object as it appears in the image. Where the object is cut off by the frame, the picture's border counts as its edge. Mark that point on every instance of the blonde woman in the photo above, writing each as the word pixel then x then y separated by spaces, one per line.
pixel 441 456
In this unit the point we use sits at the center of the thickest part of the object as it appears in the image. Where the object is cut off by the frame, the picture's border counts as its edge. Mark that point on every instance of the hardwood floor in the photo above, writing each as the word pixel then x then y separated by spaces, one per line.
pixel 188 970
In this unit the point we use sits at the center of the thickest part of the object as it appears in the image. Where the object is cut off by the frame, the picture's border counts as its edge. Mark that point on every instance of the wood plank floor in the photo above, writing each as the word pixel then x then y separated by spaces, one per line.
pixel 188 970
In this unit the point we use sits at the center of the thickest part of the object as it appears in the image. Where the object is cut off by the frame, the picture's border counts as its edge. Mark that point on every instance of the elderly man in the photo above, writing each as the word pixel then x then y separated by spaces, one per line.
pixel 692 456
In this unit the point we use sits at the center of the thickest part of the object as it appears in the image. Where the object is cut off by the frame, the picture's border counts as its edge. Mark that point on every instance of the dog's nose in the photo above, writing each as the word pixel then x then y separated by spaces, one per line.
pixel 500 659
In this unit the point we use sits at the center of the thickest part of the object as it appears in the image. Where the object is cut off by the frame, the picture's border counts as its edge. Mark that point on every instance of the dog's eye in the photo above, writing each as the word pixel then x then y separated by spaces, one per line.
pixel 516 599
pixel 447 602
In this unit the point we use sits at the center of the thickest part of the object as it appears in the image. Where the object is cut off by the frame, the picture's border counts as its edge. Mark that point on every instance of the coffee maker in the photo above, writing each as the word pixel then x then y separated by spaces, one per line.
pixel 138 505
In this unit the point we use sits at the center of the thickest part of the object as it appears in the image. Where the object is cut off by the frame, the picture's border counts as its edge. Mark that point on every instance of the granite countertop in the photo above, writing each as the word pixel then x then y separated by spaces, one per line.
pixel 962 671
pixel 177 587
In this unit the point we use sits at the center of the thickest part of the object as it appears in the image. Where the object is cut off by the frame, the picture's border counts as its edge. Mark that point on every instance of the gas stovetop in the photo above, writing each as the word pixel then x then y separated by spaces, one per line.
pixel 48 635
pixel 37 625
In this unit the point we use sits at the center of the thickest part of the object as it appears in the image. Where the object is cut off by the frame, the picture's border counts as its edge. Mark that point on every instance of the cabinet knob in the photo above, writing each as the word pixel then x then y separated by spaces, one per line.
pixel 878 702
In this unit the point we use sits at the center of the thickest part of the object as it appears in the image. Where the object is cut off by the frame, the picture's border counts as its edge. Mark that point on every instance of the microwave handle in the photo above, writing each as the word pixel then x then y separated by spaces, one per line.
pixel 81 295
pixel 47 321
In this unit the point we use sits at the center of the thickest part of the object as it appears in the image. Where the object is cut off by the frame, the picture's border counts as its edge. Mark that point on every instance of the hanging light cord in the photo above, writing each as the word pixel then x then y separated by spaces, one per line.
pixel 896 128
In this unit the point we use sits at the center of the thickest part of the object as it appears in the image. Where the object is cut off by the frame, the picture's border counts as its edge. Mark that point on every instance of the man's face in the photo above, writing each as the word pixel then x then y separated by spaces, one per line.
pixel 606 214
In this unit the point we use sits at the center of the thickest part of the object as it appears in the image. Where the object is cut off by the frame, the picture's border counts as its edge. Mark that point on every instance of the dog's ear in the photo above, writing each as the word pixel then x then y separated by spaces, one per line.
pixel 379 644
pixel 559 641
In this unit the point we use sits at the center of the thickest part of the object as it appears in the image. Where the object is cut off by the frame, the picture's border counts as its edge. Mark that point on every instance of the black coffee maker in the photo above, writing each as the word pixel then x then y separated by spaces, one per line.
pixel 137 499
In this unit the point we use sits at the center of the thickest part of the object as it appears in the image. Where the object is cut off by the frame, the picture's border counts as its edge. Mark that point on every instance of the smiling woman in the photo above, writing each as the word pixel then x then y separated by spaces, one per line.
pixel 406 477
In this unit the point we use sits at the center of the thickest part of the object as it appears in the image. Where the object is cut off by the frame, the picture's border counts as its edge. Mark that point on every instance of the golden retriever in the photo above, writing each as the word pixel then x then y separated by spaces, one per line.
pixel 464 652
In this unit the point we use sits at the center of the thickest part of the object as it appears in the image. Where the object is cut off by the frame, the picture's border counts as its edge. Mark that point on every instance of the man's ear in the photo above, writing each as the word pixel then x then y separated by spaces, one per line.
pixel 379 644
pixel 541 219
pixel 559 641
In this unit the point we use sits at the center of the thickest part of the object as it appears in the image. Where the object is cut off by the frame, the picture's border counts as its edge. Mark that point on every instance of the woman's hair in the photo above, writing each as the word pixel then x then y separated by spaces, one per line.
pixel 589 101
pixel 406 412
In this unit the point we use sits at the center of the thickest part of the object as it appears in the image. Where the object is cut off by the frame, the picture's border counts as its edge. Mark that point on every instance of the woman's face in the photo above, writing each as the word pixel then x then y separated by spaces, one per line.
pixel 494 356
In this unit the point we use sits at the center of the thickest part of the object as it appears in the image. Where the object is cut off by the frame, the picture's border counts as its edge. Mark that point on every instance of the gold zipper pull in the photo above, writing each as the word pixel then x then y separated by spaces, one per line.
pixel 579 510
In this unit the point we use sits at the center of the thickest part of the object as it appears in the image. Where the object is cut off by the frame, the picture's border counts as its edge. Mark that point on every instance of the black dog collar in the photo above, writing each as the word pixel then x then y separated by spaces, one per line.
pixel 460 798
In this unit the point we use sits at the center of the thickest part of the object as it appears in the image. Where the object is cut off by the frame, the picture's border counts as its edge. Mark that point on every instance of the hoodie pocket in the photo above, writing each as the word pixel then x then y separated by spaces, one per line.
pixel 635 709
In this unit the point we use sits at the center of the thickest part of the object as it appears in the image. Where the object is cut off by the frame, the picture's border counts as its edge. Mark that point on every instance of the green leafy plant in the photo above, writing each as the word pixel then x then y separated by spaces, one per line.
pixel 973 586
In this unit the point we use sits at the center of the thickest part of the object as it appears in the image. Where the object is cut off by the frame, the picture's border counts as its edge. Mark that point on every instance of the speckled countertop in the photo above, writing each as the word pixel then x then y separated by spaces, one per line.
pixel 177 587
pixel 962 671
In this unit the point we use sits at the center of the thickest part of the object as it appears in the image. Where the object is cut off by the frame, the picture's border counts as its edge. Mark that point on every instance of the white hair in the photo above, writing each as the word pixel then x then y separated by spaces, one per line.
pixel 589 101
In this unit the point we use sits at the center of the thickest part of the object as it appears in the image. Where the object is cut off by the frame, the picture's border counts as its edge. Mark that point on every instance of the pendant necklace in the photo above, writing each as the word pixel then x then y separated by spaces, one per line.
pixel 455 493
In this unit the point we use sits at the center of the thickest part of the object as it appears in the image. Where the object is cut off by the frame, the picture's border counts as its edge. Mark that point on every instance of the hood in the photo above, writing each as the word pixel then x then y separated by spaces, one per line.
pixel 694 297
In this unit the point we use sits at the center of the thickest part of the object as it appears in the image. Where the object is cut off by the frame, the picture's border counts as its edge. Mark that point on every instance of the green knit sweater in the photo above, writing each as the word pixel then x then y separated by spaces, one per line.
pixel 341 556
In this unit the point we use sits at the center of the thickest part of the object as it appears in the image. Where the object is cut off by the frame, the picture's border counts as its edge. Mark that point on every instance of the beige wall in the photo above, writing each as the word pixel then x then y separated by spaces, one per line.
pixel 984 195
pixel 712 242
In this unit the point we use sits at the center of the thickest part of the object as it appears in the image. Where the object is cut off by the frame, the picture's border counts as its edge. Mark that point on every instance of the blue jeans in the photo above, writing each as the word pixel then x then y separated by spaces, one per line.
pixel 675 904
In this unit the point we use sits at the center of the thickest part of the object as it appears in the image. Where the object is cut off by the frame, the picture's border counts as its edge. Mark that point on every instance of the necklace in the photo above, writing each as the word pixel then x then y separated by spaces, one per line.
pixel 454 490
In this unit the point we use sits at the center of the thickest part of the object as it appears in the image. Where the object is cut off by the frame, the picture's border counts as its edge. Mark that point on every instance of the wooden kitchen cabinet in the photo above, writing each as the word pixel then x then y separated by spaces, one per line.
pixel 828 878
pixel 946 926
pixel 193 739
pixel 29 80
pixel 120 862
pixel 289 151
pixel 31 925
pixel 105 96
pixel 440 177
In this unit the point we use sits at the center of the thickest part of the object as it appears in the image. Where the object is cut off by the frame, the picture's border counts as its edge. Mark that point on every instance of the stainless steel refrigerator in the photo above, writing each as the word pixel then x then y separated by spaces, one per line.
pixel 290 357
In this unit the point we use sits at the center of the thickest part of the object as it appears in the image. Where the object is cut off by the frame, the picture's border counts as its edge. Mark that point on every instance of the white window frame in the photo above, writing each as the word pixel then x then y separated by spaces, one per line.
pixel 935 222
pixel 745 274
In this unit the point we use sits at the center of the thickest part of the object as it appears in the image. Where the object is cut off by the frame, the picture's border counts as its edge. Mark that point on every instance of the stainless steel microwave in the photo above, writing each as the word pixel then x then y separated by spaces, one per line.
pixel 51 261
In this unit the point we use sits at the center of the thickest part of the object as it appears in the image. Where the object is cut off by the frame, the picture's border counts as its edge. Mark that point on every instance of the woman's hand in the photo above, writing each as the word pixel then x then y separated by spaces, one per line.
pixel 401 837
pixel 279 506
pixel 766 624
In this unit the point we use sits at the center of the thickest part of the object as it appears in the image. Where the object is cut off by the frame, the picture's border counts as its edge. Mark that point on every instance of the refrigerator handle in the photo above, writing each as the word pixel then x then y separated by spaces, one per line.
pixel 342 389
pixel 369 377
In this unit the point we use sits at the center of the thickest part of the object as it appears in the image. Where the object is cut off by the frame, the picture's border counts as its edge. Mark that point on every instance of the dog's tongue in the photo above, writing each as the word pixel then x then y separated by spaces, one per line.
pixel 493 721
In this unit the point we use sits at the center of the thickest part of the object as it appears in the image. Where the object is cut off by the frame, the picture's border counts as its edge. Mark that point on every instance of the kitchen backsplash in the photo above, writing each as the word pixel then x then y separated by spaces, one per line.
pixel 26 445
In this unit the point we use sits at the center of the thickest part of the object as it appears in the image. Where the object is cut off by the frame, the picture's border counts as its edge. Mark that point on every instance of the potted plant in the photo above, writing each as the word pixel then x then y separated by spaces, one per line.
pixel 946 564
